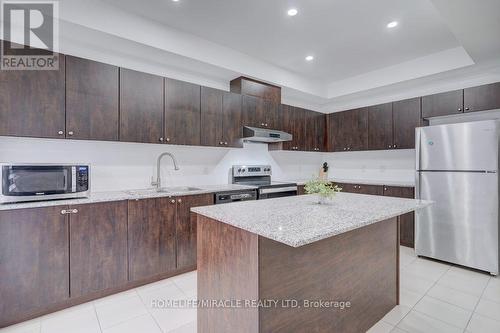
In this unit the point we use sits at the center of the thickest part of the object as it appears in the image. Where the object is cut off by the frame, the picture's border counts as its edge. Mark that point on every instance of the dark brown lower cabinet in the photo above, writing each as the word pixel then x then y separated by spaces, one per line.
pixel 98 247
pixel 34 261
pixel 186 228
pixel 362 189
pixel 301 190
pixel 151 237
pixel 407 221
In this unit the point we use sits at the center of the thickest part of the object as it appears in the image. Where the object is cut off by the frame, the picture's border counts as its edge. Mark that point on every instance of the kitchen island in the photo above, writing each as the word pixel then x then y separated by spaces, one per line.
pixel 293 265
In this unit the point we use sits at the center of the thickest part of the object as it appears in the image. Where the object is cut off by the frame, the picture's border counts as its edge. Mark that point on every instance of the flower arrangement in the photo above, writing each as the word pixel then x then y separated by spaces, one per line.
pixel 323 188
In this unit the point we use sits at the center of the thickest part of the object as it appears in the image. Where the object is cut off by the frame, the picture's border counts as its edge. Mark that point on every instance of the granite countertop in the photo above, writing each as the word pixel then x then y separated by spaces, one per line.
pixel 298 221
pixel 125 195
pixel 401 183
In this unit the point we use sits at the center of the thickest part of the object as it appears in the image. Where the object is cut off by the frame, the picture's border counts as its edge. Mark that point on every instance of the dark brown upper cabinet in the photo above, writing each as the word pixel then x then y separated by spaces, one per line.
pixel 211 117
pixel 141 107
pixel 220 118
pixel 406 117
pixel 443 104
pixel 254 111
pixel 293 121
pixel 380 127
pixel 246 86
pixel 273 115
pixel 486 97
pixel 186 228
pixel 232 128
pixel 32 102
pixel 92 93
pixel 34 261
pixel 98 247
pixel 182 113
pixel 315 131
pixel 348 130
pixel 151 237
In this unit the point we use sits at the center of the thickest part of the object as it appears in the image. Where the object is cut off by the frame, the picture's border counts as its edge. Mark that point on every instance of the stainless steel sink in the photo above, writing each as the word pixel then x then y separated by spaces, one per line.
pixel 180 189
pixel 150 191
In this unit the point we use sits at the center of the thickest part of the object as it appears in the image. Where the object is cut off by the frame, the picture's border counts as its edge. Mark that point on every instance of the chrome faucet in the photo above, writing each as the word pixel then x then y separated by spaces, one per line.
pixel 157 183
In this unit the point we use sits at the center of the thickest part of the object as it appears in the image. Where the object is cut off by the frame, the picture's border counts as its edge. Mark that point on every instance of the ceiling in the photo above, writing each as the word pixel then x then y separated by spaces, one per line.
pixel 438 45
pixel 345 39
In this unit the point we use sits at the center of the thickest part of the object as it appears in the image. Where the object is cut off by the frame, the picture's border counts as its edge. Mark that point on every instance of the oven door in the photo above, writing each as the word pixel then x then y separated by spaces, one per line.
pixel 24 182
pixel 277 192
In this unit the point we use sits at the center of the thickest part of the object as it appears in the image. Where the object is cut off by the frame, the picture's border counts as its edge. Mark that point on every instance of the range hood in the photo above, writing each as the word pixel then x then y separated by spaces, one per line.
pixel 256 134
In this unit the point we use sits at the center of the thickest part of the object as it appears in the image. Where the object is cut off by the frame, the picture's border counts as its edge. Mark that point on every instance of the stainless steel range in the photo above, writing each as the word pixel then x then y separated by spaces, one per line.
pixel 260 176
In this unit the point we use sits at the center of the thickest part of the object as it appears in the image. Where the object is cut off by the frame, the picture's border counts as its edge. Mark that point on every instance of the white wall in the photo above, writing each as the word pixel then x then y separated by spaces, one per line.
pixel 395 165
pixel 120 166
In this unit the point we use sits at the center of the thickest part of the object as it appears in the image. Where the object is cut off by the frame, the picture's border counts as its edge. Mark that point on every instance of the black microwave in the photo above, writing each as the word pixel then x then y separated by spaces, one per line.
pixel 34 182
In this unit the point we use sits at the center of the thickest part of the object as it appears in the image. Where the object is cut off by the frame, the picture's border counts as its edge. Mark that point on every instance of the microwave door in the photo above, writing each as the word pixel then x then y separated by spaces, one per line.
pixel 38 180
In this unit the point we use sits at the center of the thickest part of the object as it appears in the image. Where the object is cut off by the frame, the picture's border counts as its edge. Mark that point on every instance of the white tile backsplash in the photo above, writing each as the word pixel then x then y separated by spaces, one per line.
pixel 121 166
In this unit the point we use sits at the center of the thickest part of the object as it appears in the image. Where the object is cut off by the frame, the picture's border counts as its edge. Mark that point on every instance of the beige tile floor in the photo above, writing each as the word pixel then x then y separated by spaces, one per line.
pixel 435 298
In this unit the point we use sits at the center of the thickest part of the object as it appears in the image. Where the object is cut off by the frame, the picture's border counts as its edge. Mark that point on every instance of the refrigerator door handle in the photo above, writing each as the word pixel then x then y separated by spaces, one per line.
pixel 417 148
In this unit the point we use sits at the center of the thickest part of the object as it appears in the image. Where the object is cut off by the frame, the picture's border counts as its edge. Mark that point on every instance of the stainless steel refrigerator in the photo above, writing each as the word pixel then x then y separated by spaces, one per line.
pixel 457 168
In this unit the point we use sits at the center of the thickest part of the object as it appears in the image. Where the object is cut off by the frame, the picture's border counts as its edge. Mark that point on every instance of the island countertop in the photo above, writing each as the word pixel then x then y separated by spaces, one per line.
pixel 300 220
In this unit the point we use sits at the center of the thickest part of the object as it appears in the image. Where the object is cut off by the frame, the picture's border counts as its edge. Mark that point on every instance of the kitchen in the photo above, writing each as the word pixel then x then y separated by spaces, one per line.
pixel 238 128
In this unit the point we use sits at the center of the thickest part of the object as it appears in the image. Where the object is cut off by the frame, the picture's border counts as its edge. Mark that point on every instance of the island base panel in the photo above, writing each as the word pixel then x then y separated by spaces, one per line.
pixel 360 266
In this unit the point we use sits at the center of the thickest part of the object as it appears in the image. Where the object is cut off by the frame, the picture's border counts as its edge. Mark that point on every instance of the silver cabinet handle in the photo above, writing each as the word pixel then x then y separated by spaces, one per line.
pixel 60 132
pixel 225 143
pixel 70 133
pixel 261 124
pixel 172 201
pixel 385 188
pixel 395 146
pixel 168 139
pixel 179 200
pixel 69 211
pixel 161 139
pixel 467 109
pixel 459 109
pixel 221 143
pixel 265 124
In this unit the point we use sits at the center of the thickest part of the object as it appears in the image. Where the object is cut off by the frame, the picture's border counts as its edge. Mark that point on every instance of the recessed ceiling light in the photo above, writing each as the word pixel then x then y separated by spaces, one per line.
pixel 309 58
pixel 292 12
pixel 175 0
pixel 392 24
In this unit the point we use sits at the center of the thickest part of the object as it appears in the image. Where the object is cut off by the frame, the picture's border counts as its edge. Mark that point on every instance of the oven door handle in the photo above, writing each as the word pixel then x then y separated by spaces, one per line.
pixel 277 189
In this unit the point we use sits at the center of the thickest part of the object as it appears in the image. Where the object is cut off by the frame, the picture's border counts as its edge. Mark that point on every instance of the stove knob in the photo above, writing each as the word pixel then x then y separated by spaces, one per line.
pixel 239 170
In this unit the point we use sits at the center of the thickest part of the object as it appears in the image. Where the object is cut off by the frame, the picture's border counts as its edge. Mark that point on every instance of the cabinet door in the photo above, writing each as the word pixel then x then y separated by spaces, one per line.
pixel 141 107
pixel 211 117
pixel 337 139
pixel 380 127
pixel 151 237
pixel 273 116
pixel 32 102
pixel 320 131
pixel 348 188
pixel 287 125
pixel 301 190
pixel 232 123
pixel 443 104
pixel 486 97
pixel 310 130
pixel 299 128
pixel 357 129
pixel 98 247
pixel 407 117
pixel 254 111
pixel 182 113
pixel 186 228
pixel 371 189
pixel 34 259
pixel 91 100
pixel 406 221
